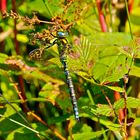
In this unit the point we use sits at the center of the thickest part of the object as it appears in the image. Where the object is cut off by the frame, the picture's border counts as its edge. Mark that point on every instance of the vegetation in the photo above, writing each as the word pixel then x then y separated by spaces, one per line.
pixel 101 53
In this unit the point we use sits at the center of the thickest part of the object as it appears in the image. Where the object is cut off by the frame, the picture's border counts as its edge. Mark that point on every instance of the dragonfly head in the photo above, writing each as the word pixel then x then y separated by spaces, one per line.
pixel 61 34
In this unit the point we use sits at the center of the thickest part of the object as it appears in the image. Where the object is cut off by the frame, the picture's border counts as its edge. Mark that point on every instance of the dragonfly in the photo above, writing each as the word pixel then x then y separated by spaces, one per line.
pixel 63 49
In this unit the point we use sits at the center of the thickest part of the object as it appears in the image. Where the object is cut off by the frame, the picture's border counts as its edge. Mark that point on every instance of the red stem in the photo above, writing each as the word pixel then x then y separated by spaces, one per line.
pixel 3 4
pixel 121 113
pixel 101 17
pixel 20 79
pixel 130 6
pixel 15 30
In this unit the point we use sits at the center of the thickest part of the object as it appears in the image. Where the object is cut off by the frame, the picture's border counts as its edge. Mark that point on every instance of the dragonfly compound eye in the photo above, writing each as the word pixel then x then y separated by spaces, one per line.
pixel 61 34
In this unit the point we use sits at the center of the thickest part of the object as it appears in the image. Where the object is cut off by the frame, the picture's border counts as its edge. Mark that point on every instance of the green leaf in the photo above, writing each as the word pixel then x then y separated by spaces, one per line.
pixel 135 20
pixel 135 71
pixel 119 104
pixel 86 77
pixel 22 38
pixel 115 88
pixel 84 128
pixel 84 49
pixel 6 125
pixel 101 110
pixel 99 70
pixel 131 103
pixel 117 67
pixel 135 16
pixel 56 61
pixel 22 134
pixel 110 39
pixel 62 118
pixel 82 59
pixel 16 66
pixel 95 113
pixel 35 73
pixel 103 60
pixel 50 92
pixel 88 135
pixel 10 111
pixel 104 110
pixel 3 57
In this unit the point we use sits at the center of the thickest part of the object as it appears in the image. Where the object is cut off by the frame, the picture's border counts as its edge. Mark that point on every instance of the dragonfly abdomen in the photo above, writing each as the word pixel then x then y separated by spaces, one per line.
pixel 63 48
pixel 71 87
